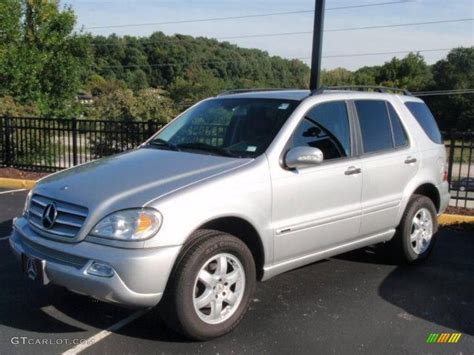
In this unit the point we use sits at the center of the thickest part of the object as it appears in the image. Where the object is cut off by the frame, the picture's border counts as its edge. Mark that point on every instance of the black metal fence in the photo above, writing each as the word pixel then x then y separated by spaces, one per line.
pixel 460 150
pixel 42 144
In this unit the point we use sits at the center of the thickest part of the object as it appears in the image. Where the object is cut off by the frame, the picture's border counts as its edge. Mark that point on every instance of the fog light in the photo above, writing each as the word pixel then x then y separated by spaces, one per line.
pixel 99 269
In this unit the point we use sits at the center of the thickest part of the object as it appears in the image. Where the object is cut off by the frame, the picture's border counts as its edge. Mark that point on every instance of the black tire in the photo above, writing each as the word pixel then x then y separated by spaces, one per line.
pixel 177 308
pixel 400 246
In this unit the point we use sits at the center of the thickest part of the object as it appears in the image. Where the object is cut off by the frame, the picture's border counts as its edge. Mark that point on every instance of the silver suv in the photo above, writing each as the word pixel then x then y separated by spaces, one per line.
pixel 239 188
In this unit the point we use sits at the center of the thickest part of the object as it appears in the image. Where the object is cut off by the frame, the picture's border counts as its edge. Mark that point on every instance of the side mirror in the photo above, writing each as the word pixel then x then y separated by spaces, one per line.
pixel 302 157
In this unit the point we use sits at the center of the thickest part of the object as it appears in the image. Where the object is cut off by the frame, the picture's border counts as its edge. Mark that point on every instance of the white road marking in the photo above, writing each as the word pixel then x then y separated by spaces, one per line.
pixel 105 333
pixel 11 191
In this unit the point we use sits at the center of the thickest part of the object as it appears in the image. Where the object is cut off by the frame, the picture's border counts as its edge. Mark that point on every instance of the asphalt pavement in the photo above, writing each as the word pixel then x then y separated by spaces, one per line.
pixel 355 303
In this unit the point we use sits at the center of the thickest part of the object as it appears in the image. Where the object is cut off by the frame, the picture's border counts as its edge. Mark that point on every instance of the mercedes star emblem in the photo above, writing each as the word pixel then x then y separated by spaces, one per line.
pixel 49 215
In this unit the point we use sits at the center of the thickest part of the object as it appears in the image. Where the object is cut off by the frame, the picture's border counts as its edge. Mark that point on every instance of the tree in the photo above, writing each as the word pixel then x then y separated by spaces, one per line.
pixel 410 73
pixel 115 106
pixel 41 60
pixel 338 76
pixel 454 112
pixel 153 104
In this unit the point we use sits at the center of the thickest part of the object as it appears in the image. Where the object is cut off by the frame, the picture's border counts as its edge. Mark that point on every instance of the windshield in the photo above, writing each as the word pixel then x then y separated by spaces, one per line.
pixel 229 127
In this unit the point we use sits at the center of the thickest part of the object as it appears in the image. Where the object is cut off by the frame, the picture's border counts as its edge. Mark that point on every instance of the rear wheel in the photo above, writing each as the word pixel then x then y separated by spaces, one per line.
pixel 416 234
pixel 211 287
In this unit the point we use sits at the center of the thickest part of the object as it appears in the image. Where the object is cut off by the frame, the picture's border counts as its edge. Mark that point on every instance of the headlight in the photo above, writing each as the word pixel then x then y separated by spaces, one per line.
pixel 128 225
pixel 27 203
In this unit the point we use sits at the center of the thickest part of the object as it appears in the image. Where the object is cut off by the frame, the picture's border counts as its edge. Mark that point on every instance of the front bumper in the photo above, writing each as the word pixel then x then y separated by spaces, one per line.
pixel 139 278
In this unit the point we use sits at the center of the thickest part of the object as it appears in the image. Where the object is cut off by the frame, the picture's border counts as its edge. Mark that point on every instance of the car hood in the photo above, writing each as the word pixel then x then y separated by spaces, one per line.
pixel 132 179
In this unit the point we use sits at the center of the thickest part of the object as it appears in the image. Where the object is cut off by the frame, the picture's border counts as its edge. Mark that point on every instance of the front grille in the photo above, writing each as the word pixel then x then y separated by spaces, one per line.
pixel 69 220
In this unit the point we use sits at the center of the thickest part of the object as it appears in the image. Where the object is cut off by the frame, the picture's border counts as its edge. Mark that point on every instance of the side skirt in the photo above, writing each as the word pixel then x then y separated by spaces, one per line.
pixel 273 270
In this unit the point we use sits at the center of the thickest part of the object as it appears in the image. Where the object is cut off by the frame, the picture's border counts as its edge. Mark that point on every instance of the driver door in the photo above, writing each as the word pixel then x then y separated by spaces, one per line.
pixel 318 207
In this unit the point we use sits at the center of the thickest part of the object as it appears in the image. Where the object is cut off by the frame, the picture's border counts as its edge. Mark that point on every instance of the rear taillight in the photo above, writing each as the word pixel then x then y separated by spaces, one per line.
pixel 445 172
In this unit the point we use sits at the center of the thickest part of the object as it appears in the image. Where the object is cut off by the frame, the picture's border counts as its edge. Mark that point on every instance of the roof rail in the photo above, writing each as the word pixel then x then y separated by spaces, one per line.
pixel 243 91
pixel 381 89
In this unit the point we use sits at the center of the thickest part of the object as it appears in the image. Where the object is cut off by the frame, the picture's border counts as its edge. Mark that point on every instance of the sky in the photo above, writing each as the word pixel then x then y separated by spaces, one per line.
pixel 93 13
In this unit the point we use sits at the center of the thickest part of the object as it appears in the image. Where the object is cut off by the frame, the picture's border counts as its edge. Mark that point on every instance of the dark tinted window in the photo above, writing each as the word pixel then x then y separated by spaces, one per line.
pixel 399 134
pixel 375 125
pixel 426 120
pixel 326 127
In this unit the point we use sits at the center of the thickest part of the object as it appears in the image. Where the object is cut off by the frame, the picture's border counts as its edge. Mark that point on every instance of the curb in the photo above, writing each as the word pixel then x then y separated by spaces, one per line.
pixel 16 183
pixel 447 219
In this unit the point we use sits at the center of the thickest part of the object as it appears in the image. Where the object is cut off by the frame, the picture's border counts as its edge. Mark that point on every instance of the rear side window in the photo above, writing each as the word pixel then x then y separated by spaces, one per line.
pixel 399 135
pixel 374 125
pixel 426 120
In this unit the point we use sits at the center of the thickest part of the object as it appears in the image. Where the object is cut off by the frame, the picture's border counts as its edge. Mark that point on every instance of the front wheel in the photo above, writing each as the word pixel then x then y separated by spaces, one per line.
pixel 416 233
pixel 211 287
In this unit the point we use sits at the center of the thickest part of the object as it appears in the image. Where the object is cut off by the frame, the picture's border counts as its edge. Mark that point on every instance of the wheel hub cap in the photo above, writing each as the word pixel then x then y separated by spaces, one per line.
pixel 219 288
pixel 421 231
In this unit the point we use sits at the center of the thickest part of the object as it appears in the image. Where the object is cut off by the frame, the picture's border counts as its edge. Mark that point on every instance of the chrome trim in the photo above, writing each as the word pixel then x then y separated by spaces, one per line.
pixel 68 223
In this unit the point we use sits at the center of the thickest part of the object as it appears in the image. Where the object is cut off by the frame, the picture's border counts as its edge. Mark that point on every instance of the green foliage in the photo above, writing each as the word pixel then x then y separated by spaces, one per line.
pixel 41 60
pixel 167 60
pixel 9 107
pixel 153 104
pixel 411 73
pixel 338 76
pixel 454 72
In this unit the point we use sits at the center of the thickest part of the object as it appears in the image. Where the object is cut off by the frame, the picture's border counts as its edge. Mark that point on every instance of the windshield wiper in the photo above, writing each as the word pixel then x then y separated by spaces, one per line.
pixel 159 142
pixel 206 148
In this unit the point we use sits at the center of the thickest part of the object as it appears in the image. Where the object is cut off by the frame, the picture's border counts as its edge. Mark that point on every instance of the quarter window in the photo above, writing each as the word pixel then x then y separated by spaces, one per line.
pixel 426 120
pixel 327 128
pixel 399 135
pixel 374 125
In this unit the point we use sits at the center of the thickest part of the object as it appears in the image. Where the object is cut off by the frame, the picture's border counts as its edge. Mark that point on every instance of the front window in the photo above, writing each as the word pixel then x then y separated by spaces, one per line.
pixel 327 128
pixel 235 127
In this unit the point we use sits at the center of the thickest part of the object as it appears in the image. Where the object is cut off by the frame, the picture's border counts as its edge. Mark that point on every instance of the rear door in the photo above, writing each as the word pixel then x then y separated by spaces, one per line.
pixel 388 160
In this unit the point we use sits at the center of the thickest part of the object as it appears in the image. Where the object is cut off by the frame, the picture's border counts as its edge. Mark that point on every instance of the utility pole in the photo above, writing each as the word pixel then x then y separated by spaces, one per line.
pixel 317 44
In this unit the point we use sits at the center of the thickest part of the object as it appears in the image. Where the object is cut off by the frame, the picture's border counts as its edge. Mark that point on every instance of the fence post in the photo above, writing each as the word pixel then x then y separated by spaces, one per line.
pixel 74 141
pixel 452 147
pixel 151 128
pixel 8 146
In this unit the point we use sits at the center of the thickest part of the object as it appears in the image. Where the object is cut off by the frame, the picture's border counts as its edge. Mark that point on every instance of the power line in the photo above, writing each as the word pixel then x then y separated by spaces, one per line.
pixel 227 18
pixel 349 29
pixel 300 58
pixel 444 92
pixel 279 34
pixel 386 53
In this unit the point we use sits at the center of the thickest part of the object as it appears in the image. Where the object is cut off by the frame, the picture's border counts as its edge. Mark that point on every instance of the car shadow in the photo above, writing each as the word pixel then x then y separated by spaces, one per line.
pixel 439 290
pixel 5 228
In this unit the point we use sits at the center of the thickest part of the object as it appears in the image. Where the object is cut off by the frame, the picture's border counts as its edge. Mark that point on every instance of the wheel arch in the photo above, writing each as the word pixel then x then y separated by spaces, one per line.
pixel 245 231
pixel 431 191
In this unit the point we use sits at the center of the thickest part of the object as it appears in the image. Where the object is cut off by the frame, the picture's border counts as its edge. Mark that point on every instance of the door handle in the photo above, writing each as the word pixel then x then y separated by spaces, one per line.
pixel 410 160
pixel 352 170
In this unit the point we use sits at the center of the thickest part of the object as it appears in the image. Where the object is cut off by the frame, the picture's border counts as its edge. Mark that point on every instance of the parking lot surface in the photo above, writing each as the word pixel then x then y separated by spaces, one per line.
pixel 355 303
